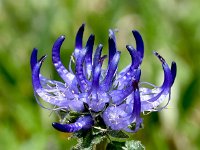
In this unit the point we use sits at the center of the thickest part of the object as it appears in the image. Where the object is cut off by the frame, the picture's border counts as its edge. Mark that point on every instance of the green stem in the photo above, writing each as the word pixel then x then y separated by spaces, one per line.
pixel 102 145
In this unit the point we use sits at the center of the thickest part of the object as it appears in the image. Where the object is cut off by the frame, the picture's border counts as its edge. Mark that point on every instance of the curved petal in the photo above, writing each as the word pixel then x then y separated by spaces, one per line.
pixel 139 43
pixel 135 101
pixel 95 77
pixel 62 71
pixel 111 45
pixel 33 60
pixel 78 43
pixel 136 107
pixel 81 78
pixel 88 57
pixel 153 98
pixel 126 76
pixel 97 98
pixel 135 57
pixel 97 56
pixel 35 74
pixel 173 71
pixel 84 123
pixel 96 74
pixel 112 68
pixel 54 95
pixel 118 96
pixel 47 83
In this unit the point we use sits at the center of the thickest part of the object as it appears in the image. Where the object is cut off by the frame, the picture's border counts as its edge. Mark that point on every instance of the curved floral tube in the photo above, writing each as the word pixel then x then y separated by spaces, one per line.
pixel 93 92
pixel 84 123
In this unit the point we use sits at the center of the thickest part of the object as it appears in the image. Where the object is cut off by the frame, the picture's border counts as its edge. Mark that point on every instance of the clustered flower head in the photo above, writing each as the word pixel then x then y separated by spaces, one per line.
pixel 99 95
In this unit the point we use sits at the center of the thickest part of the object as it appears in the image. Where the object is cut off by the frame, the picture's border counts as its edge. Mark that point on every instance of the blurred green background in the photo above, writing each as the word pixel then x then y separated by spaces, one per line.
pixel 172 27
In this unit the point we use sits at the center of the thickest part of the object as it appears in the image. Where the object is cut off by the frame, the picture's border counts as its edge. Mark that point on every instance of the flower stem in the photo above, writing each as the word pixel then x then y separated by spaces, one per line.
pixel 102 145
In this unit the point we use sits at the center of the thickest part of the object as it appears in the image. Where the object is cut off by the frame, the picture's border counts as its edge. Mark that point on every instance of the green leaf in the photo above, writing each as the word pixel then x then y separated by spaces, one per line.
pixel 86 140
pixel 133 145
pixel 115 145
pixel 98 139
pixel 118 134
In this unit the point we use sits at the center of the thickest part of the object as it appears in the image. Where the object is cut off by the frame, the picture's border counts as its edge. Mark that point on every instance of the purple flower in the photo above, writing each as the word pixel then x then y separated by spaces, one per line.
pixel 91 91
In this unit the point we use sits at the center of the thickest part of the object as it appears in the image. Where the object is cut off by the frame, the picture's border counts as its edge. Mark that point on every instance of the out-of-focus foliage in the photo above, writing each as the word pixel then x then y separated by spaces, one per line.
pixel 171 27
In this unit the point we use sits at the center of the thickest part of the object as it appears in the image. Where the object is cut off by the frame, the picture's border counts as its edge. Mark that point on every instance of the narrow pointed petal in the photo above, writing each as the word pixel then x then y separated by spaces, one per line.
pixel 112 45
pixel 137 106
pixel 151 100
pixel 35 75
pixel 84 123
pixel 112 68
pixel 167 72
pixel 173 71
pixel 78 43
pixel 139 43
pixel 97 56
pixel 88 57
pixel 58 98
pixel 47 83
pixel 62 71
pixel 33 60
pixel 118 96
pixel 97 98
pixel 96 74
pixel 135 57
pixel 126 76
pixel 81 78
pixel 79 37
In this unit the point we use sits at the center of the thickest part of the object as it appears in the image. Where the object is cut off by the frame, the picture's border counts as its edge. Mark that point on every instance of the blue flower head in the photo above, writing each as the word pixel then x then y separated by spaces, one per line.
pixel 97 94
